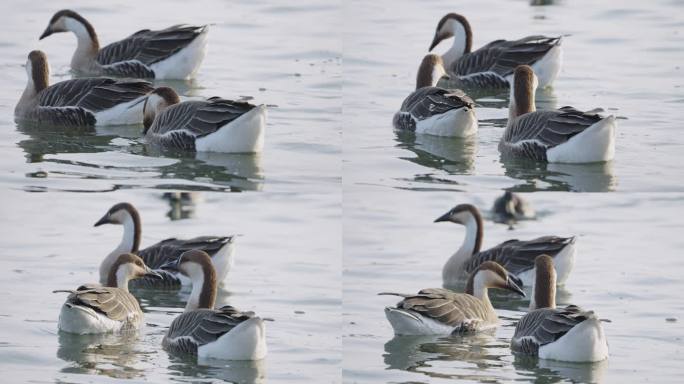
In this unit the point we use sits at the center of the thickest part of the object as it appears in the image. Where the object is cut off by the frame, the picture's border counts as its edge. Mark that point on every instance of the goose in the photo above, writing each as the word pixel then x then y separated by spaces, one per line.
pixel 436 111
pixel 221 249
pixel 78 102
pixel 212 125
pixel 567 334
pixel 223 333
pixel 437 311
pixel 566 135
pixel 93 308
pixel 511 207
pixel 500 57
pixel 172 53
pixel 516 256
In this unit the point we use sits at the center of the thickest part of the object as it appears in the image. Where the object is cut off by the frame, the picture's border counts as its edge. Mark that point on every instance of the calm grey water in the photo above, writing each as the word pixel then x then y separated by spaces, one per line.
pixel 56 183
pixel 625 57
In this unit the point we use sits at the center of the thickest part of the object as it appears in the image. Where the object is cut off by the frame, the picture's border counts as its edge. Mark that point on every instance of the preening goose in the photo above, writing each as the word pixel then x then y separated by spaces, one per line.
pixel 436 111
pixel 437 311
pixel 567 334
pixel 566 135
pixel 212 125
pixel 172 53
pixel 498 58
pixel 78 102
pixel 92 308
pixel 512 207
pixel 515 255
pixel 221 249
pixel 223 333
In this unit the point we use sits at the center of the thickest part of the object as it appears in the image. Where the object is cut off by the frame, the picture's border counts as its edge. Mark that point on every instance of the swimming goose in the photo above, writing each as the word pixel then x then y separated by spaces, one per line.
pixel 212 125
pixel 78 102
pixel 515 255
pixel 437 311
pixel 221 249
pixel 436 111
pixel 500 57
pixel 511 207
pixel 566 334
pixel 172 53
pixel 93 308
pixel 566 135
pixel 223 333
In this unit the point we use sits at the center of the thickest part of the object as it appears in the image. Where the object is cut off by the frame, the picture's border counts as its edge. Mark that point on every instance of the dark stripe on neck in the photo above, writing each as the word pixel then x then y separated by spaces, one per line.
pixel 39 70
pixel 207 297
pixel 478 238
pixel 137 227
pixel 544 283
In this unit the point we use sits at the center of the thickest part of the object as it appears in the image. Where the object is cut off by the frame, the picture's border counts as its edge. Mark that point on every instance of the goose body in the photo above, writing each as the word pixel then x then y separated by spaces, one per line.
pixel 499 58
pixel 223 333
pixel 92 308
pixel 512 207
pixel 566 334
pixel 220 249
pixel 212 125
pixel 566 135
pixel 515 255
pixel 172 53
pixel 437 311
pixel 79 102
pixel 436 111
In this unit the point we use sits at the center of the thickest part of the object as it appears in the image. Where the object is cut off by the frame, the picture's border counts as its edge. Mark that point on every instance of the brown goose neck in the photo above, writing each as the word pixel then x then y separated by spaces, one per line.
pixel 207 297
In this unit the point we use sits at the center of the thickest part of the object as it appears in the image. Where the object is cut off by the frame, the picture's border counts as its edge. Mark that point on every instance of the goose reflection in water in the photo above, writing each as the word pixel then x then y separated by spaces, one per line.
pixel 452 155
pixel 592 177
pixel 551 371
pixel 112 355
pixel 182 204
pixel 420 353
pixel 250 371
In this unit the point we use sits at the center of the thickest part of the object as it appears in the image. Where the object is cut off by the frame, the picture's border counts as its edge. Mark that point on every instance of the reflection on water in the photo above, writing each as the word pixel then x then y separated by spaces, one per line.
pixel 182 204
pixel 452 155
pixel 112 355
pixel 231 371
pixel 211 171
pixel 423 354
pixel 592 177
pixel 550 371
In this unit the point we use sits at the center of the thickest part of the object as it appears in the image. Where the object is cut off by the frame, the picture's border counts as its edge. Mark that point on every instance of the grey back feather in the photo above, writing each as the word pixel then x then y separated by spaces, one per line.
pixel 543 326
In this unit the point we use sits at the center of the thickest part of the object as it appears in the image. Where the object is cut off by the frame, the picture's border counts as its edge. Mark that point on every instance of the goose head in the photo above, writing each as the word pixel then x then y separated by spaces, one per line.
pixel 523 89
pixel 128 267
pixel 456 26
pixel 544 283
pixel 431 70
pixel 67 20
pixel 198 267
pixel 38 70
pixel 120 213
pixel 157 101
pixel 491 274
pixel 461 214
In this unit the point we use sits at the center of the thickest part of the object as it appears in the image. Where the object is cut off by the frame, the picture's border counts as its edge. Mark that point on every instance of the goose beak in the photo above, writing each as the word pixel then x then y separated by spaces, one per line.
pixel 153 274
pixel 48 31
pixel 103 220
pixel 444 217
pixel 436 40
pixel 171 265
pixel 513 287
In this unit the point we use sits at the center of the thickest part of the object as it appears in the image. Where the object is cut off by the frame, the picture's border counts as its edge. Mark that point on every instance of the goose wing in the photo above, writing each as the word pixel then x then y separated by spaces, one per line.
pixel 543 326
pixel 518 256
pixel 92 94
pixel 148 47
pixel 198 118
pixel 194 329
pixel 156 255
pixel 426 102
pixel 458 310
pixel 115 303
pixel 502 56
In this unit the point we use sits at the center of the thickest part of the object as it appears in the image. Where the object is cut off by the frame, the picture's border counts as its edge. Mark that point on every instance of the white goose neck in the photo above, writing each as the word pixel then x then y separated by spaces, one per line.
pixel 86 51
pixel 458 46
pixel 453 267
pixel 122 278
pixel 197 286
pixel 126 246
